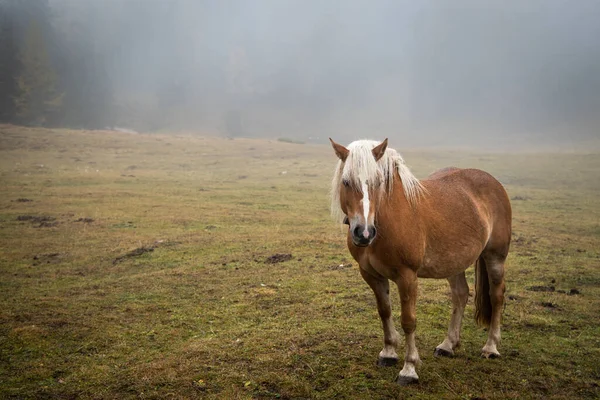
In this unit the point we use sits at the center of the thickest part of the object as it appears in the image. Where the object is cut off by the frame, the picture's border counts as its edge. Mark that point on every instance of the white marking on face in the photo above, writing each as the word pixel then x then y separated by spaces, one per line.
pixel 366 206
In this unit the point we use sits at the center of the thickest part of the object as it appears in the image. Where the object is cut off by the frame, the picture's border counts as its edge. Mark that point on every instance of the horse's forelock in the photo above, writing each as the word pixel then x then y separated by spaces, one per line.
pixel 360 166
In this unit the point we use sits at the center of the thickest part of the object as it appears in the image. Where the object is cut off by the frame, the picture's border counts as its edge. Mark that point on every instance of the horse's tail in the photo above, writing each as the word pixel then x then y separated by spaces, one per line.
pixel 483 302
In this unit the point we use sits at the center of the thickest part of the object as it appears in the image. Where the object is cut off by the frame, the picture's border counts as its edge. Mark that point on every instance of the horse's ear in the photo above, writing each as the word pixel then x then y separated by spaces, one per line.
pixel 340 150
pixel 380 150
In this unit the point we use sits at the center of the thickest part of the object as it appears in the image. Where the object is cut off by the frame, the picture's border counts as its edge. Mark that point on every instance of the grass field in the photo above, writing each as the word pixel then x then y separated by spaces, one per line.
pixel 137 266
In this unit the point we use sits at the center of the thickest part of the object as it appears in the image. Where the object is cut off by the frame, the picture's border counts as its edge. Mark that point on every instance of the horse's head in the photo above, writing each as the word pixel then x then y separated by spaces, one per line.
pixel 357 187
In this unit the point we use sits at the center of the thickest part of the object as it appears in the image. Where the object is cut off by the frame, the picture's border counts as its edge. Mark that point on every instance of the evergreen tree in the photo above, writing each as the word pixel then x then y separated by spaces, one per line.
pixel 37 100
pixel 8 60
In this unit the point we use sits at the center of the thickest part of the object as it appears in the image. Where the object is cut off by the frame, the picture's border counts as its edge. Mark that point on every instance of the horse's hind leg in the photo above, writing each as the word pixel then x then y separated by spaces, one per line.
pixel 381 288
pixel 495 272
pixel 460 295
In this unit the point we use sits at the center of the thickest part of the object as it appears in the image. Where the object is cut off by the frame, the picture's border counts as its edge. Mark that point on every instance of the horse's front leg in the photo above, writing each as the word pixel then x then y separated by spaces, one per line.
pixel 381 288
pixel 407 285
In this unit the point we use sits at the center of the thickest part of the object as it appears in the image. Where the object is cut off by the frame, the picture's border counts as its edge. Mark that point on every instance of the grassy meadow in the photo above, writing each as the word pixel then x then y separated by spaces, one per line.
pixel 156 266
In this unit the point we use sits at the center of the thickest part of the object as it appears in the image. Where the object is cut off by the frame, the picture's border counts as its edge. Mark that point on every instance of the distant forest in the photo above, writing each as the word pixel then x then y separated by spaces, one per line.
pixel 97 64
pixel 144 65
pixel 429 73
pixel 50 74
pixel 55 62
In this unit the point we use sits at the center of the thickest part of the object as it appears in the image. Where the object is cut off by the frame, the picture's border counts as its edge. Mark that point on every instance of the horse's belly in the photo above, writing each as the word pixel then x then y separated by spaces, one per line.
pixel 448 265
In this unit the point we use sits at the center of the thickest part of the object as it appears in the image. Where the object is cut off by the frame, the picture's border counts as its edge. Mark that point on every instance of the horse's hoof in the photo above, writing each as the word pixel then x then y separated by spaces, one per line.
pixel 490 356
pixel 386 361
pixel 406 380
pixel 439 352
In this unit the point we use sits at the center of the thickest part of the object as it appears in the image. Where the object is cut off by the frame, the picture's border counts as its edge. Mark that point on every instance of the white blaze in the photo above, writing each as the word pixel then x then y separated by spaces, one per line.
pixel 366 206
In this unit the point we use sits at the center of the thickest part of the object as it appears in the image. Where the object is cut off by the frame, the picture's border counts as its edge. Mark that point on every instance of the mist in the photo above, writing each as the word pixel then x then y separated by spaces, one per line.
pixel 494 74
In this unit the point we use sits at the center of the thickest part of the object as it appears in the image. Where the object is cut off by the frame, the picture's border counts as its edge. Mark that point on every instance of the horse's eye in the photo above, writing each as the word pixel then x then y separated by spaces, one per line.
pixel 346 182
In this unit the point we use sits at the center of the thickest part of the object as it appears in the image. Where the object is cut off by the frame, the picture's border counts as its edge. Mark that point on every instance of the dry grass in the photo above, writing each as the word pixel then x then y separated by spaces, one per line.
pixel 200 314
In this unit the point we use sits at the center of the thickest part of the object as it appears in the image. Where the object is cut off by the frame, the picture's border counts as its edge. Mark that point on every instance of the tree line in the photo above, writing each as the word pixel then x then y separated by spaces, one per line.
pixel 133 63
pixel 48 72
pixel 304 69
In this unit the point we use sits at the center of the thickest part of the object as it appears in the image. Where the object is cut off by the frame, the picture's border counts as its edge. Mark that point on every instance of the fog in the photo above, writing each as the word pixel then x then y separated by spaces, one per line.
pixel 494 74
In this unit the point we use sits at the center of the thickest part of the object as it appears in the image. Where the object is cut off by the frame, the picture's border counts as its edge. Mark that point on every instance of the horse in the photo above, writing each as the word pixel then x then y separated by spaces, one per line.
pixel 401 228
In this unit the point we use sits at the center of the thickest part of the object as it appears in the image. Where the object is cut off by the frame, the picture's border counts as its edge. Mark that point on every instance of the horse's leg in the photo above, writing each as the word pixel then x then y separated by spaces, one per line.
pixel 381 288
pixel 460 295
pixel 407 286
pixel 495 270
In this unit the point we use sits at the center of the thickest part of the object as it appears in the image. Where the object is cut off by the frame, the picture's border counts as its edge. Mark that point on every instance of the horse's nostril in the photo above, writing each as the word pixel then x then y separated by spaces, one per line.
pixel 364 234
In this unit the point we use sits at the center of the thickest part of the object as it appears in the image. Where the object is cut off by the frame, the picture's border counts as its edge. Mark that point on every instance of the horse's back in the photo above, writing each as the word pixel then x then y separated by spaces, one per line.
pixel 475 182
pixel 440 173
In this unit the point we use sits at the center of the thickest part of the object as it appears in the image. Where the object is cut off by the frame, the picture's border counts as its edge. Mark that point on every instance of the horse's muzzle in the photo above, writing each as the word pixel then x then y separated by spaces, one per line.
pixel 363 236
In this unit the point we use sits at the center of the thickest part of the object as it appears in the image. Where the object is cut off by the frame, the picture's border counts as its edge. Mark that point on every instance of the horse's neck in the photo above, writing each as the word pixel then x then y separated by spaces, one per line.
pixel 401 220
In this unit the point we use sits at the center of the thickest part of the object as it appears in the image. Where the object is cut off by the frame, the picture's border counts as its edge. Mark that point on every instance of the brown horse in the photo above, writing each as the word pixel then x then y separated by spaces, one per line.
pixel 401 228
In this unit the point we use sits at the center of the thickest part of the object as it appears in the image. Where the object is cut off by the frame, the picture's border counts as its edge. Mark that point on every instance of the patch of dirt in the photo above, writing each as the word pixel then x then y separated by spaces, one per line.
pixel 549 304
pixel 277 258
pixel 519 198
pixel 48 224
pixel 43 221
pixel 571 292
pixel 134 253
pixel 34 218
pixel 22 200
pixel 541 288
pixel 86 220
pixel 48 258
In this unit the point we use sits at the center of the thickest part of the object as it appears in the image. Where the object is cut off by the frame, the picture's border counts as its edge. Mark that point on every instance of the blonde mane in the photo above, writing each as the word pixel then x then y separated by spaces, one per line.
pixel 360 165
